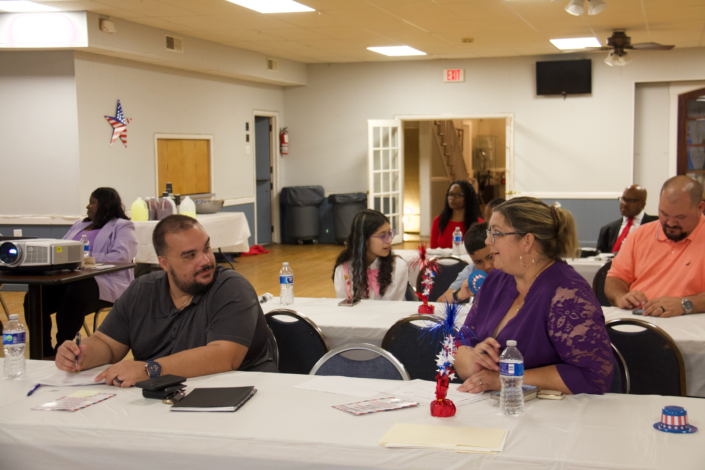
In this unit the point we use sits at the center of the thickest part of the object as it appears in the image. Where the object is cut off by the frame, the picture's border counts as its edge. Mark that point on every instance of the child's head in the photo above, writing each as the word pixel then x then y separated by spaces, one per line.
pixel 479 252
pixel 370 237
pixel 490 206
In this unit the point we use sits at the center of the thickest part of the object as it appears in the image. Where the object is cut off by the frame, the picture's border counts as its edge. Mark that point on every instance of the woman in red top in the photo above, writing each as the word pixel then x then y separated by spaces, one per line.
pixel 461 210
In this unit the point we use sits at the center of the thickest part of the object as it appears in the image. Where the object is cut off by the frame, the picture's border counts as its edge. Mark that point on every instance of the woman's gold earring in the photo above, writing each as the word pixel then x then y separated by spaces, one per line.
pixel 521 260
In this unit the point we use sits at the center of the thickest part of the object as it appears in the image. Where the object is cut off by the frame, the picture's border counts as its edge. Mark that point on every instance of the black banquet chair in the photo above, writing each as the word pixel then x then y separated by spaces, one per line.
pixel 448 269
pixel 299 340
pixel 654 362
pixel 598 284
pixel 620 378
pixel 406 341
pixel 383 366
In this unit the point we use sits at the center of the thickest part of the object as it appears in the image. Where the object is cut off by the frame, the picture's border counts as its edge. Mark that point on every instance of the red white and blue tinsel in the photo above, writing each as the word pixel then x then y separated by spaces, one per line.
pixel 427 270
pixel 119 123
pixel 451 337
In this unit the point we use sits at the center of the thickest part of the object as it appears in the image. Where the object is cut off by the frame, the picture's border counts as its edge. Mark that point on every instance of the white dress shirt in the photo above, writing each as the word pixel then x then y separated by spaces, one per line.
pixel 637 221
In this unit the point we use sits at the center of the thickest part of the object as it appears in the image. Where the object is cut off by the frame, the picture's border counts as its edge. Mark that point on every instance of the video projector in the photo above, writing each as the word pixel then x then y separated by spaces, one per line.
pixel 40 255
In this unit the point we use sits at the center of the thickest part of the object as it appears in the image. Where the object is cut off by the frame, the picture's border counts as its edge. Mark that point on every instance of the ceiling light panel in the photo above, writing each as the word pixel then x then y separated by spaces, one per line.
pixel 396 51
pixel 575 43
pixel 273 6
pixel 24 7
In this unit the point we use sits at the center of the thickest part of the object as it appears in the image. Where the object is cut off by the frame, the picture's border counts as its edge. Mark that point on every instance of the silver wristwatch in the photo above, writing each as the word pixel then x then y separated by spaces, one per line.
pixel 687 305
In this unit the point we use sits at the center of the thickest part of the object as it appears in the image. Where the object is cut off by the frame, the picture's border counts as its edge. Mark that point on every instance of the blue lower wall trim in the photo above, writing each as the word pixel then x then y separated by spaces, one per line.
pixel 590 215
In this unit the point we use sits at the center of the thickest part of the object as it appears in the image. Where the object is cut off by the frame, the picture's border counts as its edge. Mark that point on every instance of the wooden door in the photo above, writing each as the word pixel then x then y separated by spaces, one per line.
pixel 691 134
pixel 185 163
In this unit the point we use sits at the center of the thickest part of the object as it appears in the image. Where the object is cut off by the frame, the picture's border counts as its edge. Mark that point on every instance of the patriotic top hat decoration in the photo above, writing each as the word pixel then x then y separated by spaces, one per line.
pixel 675 419
pixel 427 270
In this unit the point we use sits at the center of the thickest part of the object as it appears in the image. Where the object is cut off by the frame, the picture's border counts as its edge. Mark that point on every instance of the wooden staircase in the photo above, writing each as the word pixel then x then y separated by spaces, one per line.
pixel 450 146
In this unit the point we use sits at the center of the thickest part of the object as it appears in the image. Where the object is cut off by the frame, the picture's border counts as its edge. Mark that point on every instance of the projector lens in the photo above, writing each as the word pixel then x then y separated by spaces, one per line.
pixel 9 254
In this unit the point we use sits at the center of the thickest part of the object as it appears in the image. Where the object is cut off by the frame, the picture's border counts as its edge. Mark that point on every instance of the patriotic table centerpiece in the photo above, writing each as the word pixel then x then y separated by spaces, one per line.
pixel 427 270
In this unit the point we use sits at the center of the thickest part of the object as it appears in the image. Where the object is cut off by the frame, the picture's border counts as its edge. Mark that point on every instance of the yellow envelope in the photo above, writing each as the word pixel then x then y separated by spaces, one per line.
pixel 460 439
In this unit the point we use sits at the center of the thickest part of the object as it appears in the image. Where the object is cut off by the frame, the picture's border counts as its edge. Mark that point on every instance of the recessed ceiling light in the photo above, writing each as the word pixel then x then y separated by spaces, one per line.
pixel 272 6
pixel 396 50
pixel 24 7
pixel 575 43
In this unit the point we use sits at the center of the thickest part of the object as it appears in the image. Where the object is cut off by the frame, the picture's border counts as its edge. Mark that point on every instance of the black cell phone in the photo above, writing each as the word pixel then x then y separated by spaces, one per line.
pixel 639 311
pixel 348 303
pixel 163 393
pixel 160 383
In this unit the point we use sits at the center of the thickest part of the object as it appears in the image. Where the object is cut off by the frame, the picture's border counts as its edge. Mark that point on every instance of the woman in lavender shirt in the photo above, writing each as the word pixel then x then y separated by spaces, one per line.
pixel 112 240
pixel 537 299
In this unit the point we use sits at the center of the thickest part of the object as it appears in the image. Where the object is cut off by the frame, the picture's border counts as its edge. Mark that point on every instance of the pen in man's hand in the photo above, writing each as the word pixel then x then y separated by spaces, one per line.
pixel 78 343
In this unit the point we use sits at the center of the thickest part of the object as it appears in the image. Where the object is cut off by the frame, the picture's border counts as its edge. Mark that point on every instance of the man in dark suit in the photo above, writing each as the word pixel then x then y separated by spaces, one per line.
pixel 631 205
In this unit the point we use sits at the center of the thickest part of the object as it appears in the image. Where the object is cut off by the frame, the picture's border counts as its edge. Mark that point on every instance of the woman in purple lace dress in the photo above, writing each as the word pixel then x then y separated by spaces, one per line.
pixel 537 299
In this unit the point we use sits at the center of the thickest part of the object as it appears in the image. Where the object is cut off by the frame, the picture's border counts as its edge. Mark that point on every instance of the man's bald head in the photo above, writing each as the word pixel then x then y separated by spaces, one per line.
pixel 673 187
pixel 633 201
pixel 680 207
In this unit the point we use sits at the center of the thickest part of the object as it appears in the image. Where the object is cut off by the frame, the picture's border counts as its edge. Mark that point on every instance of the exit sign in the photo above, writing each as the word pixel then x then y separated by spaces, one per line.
pixel 454 75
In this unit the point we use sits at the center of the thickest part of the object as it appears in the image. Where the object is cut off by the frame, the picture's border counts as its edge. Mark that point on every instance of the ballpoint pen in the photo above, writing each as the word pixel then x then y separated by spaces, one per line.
pixel 34 389
pixel 78 343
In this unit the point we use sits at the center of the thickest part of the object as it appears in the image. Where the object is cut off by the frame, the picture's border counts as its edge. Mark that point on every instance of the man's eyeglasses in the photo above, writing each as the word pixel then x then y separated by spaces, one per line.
pixel 386 237
pixel 456 195
pixel 628 201
pixel 493 235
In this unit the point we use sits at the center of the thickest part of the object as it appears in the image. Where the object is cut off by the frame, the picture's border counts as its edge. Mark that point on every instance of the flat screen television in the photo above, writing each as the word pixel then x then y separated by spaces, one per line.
pixel 564 77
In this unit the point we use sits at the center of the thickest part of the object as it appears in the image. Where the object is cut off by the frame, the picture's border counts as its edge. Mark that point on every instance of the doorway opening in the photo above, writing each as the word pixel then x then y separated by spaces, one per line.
pixel 264 169
pixel 438 152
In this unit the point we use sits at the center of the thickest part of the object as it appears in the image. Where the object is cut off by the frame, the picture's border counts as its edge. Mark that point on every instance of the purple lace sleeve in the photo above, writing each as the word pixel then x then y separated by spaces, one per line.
pixel 576 326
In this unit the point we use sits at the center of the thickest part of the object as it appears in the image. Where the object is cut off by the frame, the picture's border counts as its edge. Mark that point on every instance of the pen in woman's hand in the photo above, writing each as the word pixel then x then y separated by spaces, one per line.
pixel 78 343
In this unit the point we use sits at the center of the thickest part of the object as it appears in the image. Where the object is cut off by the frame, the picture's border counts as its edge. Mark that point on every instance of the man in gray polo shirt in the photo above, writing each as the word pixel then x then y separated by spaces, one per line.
pixel 194 318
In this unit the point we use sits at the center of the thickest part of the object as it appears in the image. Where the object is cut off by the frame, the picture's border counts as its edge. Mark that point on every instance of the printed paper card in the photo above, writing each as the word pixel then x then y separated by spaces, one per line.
pixel 375 406
pixel 74 402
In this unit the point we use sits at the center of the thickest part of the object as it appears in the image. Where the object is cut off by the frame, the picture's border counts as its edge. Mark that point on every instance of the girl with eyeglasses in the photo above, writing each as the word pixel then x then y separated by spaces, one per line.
pixel 461 210
pixel 367 268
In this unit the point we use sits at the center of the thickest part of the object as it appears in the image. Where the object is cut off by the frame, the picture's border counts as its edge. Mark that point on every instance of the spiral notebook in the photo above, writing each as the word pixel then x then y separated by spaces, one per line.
pixel 215 399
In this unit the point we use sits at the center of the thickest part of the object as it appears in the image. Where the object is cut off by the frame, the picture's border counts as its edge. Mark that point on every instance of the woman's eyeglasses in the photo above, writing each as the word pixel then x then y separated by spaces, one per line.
pixel 456 195
pixel 493 235
pixel 386 237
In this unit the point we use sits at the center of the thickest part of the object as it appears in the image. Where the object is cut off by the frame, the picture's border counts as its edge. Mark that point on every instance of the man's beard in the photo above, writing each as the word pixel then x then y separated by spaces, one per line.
pixel 193 287
pixel 676 238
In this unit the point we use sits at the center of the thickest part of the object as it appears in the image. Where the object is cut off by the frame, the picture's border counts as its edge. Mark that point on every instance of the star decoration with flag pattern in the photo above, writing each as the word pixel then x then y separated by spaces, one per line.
pixel 119 124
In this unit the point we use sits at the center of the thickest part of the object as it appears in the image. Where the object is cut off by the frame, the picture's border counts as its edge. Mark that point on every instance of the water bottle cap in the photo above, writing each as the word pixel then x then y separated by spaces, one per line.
pixel 13 317
pixel 286 264
pixel 511 343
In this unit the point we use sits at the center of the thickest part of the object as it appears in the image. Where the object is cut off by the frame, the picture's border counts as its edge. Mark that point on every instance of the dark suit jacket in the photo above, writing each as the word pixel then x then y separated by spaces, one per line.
pixel 610 232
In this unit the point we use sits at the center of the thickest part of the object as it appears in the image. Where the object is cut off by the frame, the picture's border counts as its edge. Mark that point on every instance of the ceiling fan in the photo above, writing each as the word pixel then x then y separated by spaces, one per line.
pixel 618 44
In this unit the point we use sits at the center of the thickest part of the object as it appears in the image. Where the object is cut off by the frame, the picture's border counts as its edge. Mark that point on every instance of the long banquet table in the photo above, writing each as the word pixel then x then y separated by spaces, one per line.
pixel 368 322
pixel 287 428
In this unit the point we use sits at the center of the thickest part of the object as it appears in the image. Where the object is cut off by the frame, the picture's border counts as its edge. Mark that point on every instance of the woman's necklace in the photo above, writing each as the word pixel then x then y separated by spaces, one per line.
pixel 532 281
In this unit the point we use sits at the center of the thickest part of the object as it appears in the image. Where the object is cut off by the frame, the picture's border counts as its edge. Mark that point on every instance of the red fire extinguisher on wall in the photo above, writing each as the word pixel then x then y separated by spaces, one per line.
pixel 284 141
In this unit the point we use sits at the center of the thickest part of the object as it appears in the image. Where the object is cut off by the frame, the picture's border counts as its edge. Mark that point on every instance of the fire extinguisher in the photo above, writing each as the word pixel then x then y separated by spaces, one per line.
pixel 284 141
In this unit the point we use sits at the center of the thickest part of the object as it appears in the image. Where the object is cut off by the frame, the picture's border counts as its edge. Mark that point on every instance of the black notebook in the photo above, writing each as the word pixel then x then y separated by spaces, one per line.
pixel 215 399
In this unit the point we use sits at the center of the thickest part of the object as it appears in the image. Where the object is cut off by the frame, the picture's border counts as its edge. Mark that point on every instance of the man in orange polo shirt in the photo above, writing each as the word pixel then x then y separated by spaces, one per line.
pixel 661 266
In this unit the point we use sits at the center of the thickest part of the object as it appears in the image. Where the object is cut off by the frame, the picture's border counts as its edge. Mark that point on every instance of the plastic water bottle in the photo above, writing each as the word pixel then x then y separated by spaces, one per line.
pixel 86 246
pixel 286 285
pixel 457 242
pixel 14 337
pixel 511 374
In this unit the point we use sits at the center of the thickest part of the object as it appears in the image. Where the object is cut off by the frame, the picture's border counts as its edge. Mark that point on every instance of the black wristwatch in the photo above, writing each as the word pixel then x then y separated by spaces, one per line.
pixel 153 369
pixel 455 294
pixel 687 306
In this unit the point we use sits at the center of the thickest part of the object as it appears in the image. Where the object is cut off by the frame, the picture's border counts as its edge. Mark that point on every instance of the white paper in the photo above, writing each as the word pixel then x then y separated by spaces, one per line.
pixel 340 385
pixel 425 391
pixel 61 378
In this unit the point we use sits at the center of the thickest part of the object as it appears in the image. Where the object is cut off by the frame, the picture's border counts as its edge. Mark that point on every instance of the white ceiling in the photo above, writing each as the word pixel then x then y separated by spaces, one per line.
pixel 341 30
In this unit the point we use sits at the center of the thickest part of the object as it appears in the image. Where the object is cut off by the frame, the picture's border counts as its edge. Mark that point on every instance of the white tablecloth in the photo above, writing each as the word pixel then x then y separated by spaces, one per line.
pixel 366 322
pixel 286 428
pixel 410 255
pixel 229 231
pixel 689 334
pixel 587 267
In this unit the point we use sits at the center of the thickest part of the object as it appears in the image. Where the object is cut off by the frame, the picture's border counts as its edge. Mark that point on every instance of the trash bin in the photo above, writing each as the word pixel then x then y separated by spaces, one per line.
pixel 300 206
pixel 345 206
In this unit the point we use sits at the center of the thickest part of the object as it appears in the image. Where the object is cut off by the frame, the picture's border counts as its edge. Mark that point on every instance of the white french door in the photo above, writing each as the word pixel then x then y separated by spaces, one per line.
pixel 386 172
